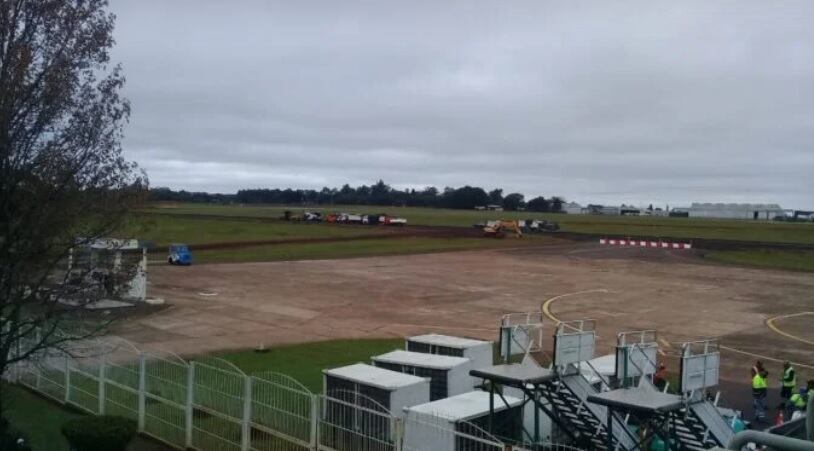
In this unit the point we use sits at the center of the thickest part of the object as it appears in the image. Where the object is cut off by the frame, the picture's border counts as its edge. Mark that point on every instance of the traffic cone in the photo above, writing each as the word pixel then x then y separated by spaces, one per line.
pixel 778 419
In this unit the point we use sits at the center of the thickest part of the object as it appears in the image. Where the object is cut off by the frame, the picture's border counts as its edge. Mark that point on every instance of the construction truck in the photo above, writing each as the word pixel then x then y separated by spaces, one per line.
pixel 312 216
pixel 498 229
pixel 539 226
pixel 306 216
pixel 349 218
pixel 383 219
pixel 394 221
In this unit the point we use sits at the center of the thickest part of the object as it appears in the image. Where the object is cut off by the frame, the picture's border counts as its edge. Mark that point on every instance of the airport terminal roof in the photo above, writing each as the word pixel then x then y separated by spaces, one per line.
pixel 722 206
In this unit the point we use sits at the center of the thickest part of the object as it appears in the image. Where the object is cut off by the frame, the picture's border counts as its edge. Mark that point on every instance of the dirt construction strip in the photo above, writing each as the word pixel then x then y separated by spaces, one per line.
pixel 470 232
pixel 241 244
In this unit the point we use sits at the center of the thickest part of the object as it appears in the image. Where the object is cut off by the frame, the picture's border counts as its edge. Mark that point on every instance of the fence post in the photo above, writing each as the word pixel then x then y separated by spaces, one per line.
pixel 398 427
pixel 38 381
pixel 102 385
pixel 189 408
pixel 67 378
pixel 17 367
pixel 315 411
pixel 246 426
pixel 142 389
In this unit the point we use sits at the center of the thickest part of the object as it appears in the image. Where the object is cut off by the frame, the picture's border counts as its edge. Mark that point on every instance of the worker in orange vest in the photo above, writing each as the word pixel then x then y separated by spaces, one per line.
pixel 660 378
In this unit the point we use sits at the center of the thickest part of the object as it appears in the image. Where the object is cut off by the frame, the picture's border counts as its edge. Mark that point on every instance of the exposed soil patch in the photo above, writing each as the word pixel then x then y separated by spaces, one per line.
pixel 465 293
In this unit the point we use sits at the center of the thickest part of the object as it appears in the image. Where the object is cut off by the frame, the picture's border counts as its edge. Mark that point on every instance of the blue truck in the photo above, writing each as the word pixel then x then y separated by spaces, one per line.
pixel 179 254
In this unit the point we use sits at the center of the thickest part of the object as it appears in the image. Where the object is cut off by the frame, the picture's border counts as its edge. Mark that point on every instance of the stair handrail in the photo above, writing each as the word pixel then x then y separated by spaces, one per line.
pixel 810 418
pixel 600 421
pixel 635 346
pixel 653 364
pixel 686 349
pixel 780 442
pixel 605 382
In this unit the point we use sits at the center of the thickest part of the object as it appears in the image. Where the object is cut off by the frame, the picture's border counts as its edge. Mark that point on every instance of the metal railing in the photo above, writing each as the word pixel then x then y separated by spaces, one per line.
pixel 208 404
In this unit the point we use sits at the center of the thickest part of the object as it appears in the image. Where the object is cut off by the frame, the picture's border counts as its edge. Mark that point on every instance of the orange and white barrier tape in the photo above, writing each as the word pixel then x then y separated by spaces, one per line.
pixel 629 242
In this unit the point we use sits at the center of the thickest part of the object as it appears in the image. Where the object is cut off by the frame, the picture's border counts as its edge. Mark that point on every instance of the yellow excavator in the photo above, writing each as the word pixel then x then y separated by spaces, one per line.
pixel 498 229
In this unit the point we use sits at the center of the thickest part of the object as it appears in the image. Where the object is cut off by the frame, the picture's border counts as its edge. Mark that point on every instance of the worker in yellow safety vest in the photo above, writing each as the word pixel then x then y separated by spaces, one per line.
pixel 799 400
pixel 760 388
pixel 788 381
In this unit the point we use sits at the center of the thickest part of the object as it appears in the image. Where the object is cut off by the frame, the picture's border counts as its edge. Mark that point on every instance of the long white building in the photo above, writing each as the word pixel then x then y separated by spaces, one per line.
pixel 735 211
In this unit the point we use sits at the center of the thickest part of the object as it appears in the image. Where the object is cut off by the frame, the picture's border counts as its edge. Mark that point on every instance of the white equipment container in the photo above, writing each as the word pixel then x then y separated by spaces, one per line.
pixel 479 351
pixel 129 258
pixel 449 424
pixel 391 389
pixel 448 375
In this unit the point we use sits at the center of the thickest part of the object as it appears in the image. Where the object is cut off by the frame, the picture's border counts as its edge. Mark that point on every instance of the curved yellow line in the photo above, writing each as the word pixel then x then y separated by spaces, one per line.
pixel 771 325
pixel 546 309
pixel 546 306
pixel 763 357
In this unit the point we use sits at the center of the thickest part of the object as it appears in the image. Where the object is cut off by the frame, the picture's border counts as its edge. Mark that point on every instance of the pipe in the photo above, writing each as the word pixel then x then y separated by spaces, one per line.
pixel 777 442
pixel 810 418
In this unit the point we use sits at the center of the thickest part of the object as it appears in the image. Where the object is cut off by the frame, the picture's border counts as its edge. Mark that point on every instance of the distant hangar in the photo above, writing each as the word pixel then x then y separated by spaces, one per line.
pixel 731 211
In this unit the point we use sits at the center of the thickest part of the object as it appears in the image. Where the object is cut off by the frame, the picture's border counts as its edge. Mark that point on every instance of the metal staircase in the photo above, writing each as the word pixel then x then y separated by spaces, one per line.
pixel 585 421
pixel 689 431
pixel 701 426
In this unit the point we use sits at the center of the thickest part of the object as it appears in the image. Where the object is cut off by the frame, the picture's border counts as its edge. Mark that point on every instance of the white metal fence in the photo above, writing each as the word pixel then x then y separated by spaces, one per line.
pixel 432 432
pixel 208 404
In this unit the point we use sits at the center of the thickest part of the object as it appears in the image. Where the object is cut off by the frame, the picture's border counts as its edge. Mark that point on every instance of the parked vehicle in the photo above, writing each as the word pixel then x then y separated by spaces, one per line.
pixel 498 229
pixel 394 221
pixel 539 225
pixel 179 254
pixel 312 216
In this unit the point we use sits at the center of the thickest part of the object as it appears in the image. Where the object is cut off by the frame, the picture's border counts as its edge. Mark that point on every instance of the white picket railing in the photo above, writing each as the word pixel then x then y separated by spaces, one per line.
pixel 209 404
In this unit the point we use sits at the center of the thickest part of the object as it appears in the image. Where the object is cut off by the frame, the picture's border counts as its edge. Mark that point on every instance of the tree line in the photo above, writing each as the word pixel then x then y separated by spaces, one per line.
pixel 466 197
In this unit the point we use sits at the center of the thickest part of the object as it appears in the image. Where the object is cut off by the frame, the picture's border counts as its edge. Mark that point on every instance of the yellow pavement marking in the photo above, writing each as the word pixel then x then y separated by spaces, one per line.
pixel 770 323
pixel 546 307
pixel 764 357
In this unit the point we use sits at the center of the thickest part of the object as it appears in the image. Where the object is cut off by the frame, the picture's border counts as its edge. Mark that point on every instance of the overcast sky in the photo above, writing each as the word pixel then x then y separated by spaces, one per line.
pixel 604 101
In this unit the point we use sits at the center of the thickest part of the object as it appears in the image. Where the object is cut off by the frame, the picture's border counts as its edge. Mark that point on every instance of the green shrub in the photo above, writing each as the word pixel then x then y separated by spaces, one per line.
pixel 11 439
pixel 99 433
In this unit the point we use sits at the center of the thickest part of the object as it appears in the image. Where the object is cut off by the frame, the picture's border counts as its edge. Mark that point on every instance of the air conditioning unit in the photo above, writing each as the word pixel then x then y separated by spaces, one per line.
pixel 450 424
pixel 391 390
pixel 448 375
pixel 479 351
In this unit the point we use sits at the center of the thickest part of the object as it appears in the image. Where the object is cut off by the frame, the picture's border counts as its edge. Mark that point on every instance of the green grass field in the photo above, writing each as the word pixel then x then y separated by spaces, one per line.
pixel 197 226
pixel 201 223
pixel 305 362
pixel 165 229
pixel 793 260
pixel 356 248
pixel 42 420
pixel 623 225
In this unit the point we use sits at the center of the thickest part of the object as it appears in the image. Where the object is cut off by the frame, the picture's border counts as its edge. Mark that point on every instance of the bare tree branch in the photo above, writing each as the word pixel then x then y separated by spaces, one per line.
pixel 64 182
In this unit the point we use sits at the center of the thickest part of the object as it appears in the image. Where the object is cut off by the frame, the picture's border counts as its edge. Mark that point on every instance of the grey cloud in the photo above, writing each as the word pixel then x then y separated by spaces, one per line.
pixel 635 101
